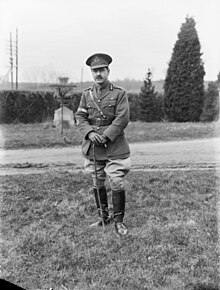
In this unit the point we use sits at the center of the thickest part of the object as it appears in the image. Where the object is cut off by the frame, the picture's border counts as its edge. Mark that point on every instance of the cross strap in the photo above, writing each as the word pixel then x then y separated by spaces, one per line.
pixel 97 106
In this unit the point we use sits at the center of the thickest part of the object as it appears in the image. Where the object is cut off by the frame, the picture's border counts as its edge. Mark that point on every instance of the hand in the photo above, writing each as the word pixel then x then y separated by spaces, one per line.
pixel 95 138
pixel 104 139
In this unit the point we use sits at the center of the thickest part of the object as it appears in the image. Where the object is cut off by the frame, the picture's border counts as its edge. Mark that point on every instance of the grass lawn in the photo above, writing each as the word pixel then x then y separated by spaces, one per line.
pixel 172 244
pixel 15 136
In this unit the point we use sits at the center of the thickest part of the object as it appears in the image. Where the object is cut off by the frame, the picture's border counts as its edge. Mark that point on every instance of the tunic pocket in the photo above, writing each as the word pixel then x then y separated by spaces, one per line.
pixel 91 108
pixel 109 106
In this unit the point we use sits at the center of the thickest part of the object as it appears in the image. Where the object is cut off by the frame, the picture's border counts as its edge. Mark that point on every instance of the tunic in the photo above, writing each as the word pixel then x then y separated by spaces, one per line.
pixel 113 102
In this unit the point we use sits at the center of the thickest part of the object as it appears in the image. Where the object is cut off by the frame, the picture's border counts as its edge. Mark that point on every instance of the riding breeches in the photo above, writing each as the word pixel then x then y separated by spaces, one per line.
pixel 114 169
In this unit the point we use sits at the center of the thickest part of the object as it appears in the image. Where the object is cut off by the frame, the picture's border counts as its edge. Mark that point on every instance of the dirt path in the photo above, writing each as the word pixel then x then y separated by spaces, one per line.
pixel 184 155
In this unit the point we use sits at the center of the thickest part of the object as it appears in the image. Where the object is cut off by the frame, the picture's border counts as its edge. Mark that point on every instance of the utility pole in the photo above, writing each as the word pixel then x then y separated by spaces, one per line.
pixel 11 62
pixel 16 59
pixel 81 75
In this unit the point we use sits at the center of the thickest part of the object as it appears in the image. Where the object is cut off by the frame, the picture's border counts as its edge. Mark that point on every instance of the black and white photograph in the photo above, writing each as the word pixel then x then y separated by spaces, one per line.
pixel 109 144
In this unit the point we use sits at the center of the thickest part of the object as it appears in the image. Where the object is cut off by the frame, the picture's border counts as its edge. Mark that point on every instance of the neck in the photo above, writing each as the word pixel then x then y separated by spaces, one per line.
pixel 103 85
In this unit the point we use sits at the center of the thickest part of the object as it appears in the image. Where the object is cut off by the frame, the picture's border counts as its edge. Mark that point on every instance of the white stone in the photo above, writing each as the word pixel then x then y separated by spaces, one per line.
pixel 68 117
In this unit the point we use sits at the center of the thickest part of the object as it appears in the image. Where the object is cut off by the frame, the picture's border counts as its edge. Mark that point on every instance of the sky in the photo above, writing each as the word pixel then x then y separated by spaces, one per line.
pixel 55 37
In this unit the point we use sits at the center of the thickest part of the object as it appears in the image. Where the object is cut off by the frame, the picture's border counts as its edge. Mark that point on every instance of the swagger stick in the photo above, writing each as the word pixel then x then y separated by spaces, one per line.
pixel 96 181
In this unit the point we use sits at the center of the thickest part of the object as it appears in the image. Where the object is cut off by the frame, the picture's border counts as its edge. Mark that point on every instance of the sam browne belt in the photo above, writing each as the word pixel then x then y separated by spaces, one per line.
pixel 100 122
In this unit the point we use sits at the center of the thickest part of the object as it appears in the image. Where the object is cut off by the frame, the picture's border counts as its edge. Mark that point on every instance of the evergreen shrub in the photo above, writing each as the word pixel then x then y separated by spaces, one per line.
pixel 31 106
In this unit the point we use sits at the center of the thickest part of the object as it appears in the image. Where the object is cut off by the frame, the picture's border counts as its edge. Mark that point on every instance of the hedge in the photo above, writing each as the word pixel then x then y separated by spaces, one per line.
pixel 39 106
pixel 32 106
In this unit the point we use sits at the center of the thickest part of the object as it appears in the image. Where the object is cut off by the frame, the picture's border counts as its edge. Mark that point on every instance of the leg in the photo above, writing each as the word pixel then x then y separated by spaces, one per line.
pixel 99 189
pixel 116 171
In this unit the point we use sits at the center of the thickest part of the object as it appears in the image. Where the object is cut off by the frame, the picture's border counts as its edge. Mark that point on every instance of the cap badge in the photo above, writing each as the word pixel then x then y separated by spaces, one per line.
pixel 96 60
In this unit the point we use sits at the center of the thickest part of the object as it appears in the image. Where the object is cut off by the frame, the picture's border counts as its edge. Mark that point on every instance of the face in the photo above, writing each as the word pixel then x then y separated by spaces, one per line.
pixel 100 75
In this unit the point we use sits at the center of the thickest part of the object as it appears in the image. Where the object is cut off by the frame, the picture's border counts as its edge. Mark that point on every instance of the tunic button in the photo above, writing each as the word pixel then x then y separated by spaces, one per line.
pixel 98 128
pixel 99 101
pixel 110 105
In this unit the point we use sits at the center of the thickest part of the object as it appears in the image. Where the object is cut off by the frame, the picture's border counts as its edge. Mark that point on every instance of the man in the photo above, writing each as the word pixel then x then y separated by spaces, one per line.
pixel 102 116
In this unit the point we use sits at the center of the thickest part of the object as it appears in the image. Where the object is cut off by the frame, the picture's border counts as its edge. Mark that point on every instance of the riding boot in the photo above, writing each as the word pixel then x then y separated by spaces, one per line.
pixel 103 207
pixel 118 202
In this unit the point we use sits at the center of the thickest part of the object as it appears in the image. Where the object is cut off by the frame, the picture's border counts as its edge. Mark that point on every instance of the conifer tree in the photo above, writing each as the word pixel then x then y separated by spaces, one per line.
pixel 184 87
pixel 211 103
pixel 218 78
pixel 147 101
pixel 133 104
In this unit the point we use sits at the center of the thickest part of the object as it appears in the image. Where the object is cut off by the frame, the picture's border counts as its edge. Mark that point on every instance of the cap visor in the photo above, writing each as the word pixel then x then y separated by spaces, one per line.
pixel 98 66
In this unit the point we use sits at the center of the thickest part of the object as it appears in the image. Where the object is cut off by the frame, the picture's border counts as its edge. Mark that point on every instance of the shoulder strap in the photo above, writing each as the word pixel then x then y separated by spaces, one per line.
pixel 97 106
pixel 87 89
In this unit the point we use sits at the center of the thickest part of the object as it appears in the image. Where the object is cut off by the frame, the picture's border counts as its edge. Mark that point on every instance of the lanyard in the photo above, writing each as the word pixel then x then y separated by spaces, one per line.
pixel 97 106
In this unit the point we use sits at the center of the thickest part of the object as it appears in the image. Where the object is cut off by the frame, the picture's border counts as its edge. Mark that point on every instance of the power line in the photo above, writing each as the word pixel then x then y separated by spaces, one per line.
pixel 5 76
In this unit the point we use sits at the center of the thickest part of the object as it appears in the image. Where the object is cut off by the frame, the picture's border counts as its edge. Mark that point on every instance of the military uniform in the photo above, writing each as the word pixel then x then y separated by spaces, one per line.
pixel 114 104
pixel 105 110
